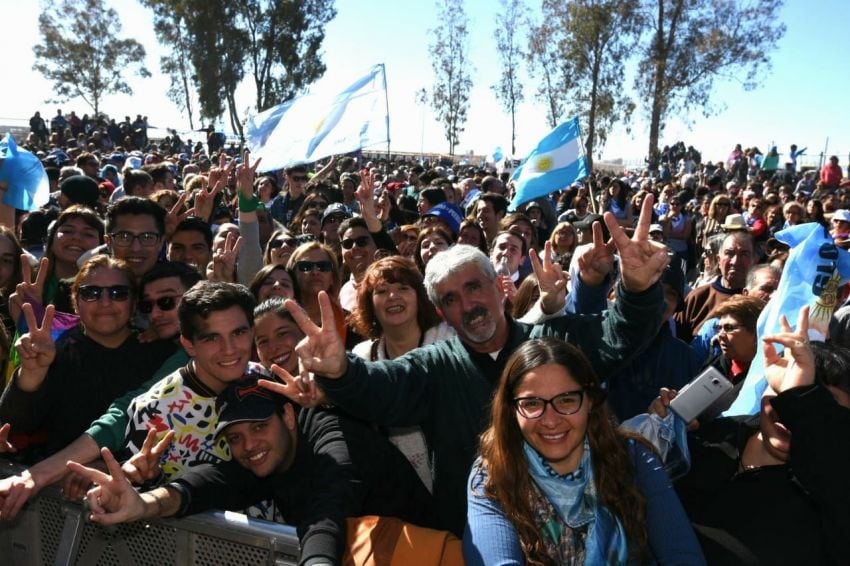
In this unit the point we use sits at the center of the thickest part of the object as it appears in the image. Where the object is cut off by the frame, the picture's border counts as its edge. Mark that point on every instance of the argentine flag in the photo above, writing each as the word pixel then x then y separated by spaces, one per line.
pixel 320 124
pixel 556 162
pixel 813 276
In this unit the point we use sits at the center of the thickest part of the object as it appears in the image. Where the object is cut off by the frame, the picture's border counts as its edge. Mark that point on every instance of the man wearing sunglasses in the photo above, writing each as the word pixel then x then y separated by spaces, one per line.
pixel 285 205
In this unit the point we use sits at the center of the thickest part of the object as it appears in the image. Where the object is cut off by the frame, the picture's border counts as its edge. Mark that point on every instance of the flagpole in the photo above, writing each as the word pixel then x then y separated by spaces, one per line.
pixel 583 150
pixel 387 104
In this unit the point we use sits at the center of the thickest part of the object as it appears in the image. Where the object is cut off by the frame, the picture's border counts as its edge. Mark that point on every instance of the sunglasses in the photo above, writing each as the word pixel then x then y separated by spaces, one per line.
pixel 298 178
pixel 145 306
pixel 291 242
pixel 360 242
pixel 308 266
pixel 92 293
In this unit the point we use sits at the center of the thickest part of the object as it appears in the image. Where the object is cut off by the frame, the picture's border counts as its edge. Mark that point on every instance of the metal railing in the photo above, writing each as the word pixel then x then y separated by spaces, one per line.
pixel 51 530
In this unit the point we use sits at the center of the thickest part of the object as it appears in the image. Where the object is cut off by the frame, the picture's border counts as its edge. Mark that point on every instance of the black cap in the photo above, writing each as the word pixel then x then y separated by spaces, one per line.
pixel 246 401
pixel 80 190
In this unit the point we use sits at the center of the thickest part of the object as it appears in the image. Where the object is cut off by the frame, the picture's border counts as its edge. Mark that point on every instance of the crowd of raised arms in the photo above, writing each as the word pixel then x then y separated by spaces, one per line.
pixel 348 343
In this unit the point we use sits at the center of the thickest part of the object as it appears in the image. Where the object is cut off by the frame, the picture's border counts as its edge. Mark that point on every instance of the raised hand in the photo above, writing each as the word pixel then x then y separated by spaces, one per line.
pixel 36 349
pixel 205 201
pixel 175 217
pixel 550 280
pixel 224 259
pixel 29 290
pixel 595 261
pixel 14 492
pixel 321 351
pixel 245 175
pixel 796 366
pixel 113 500
pixel 642 261
pixel 144 465
pixel 301 389
pixel 5 445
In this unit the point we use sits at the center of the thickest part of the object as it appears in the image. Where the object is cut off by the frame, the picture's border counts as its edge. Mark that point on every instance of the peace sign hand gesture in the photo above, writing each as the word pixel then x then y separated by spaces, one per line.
pixel 175 217
pixel 29 289
pixel 224 259
pixel 144 465
pixel 321 351
pixel 642 261
pixel 245 175
pixel 550 279
pixel 113 500
pixel 36 349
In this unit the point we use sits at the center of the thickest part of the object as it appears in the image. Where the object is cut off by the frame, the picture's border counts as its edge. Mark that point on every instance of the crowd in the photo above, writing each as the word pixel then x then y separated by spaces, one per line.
pixel 350 339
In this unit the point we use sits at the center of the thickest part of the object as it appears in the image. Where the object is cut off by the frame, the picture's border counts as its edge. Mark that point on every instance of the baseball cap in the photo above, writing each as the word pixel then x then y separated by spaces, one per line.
pixel 448 213
pixel 245 401
pixel 336 208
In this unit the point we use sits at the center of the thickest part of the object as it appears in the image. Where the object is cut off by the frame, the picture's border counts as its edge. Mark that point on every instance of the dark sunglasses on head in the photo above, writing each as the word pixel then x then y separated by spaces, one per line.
pixel 92 293
pixel 145 306
pixel 308 266
pixel 360 242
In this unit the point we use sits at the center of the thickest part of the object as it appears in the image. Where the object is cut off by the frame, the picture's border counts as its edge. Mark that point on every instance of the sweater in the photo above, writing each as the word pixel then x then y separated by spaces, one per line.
pixel 84 378
pixel 446 388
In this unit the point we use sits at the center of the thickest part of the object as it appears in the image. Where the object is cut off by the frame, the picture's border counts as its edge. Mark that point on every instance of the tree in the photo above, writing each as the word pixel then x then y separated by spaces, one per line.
pixel 693 42
pixel 543 59
pixel 284 40
pixel 450 61
pixel 82 54
pixel 279 39
pixel 593 39
pixel 170 27
pixel 509 24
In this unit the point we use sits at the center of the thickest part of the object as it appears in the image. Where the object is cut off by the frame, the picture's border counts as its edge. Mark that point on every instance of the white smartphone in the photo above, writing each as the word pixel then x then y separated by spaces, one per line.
pixel 698 395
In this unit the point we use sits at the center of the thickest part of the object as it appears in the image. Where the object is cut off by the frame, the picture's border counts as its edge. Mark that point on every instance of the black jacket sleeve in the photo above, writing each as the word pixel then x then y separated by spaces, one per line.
pixel 820 460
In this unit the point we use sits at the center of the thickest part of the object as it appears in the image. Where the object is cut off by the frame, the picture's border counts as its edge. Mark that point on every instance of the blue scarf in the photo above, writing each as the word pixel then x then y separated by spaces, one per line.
pixel 574 499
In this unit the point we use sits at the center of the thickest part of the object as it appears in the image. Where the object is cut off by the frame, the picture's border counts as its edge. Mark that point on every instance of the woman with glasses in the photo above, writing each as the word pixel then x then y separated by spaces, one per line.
pixel 62 386
pixel 557 484
pixel 314 267
pixel 279 248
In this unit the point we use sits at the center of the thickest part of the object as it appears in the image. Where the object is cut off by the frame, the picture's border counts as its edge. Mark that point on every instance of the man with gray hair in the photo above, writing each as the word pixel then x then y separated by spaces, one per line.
pixel 446 387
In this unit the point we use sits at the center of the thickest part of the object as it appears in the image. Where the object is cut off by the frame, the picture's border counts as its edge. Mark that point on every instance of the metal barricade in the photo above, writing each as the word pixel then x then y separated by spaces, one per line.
pixel 51 530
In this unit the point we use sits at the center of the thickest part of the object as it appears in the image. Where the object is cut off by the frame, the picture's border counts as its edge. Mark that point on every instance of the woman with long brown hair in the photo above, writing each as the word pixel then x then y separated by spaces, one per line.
pixel 556 483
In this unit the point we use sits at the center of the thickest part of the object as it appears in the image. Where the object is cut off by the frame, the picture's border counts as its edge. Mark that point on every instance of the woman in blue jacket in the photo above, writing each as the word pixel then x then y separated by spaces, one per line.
pixel 557 484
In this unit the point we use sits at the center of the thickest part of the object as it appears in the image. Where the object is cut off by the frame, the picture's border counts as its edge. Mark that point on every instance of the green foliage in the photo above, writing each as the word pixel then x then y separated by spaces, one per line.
pixel 82 54
pixel 170 27
pixel 212 43
pixel 690 43
pixel 450 61
pixel 583 46
pixel 509 27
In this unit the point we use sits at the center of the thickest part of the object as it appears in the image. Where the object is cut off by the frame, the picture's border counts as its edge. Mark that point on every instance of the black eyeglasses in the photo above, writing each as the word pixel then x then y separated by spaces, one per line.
pixel 298 178
pixel 92 293
pixel 360 242
pixel 125 239
pixel 566 403
pixel 308 266
pixel 145 306
pixel 291 242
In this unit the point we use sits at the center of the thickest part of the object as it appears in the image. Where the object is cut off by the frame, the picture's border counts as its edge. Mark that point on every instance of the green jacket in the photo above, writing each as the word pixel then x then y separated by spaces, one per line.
pixel 446 389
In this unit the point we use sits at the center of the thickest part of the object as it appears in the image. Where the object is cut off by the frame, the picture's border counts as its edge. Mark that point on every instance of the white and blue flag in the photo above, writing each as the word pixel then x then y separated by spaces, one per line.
pixel 320 124
pixel 556 162
pixel 813 276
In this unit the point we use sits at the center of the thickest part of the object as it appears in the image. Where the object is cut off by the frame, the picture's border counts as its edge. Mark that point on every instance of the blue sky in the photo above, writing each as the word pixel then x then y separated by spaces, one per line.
pixel 802 99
